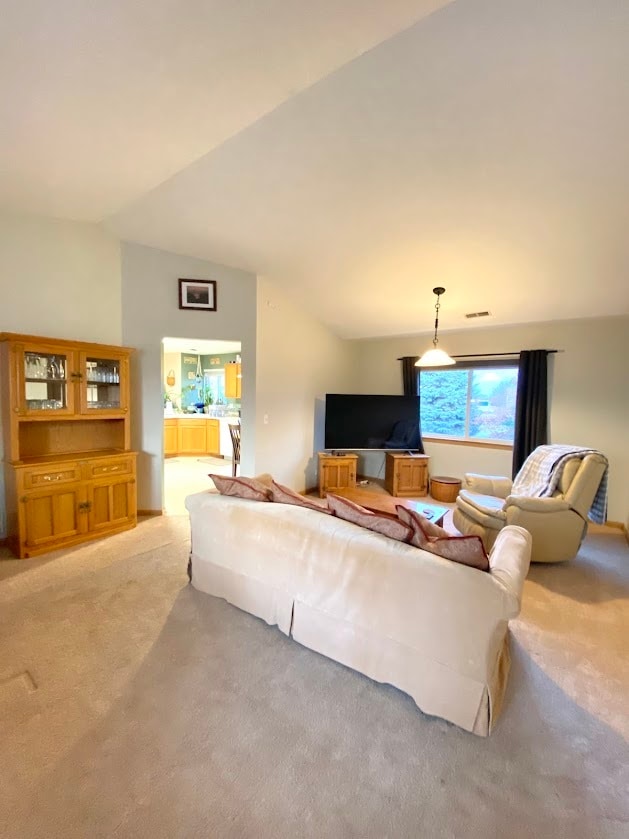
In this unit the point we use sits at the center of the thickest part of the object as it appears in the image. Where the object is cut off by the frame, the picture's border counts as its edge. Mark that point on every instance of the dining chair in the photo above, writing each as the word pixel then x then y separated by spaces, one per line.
pixel 234 433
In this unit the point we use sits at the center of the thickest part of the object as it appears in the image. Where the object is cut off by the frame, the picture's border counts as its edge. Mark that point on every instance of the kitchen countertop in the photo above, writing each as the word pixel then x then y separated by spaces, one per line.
pixel 201 417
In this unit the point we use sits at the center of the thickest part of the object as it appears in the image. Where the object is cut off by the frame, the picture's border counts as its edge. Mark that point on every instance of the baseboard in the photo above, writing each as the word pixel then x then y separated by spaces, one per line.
pixel 609 525
pixel 150 512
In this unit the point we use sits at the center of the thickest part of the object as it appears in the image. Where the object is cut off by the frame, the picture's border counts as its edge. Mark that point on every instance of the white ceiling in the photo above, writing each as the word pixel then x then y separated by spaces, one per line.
pixel 100 102
pixel 356 153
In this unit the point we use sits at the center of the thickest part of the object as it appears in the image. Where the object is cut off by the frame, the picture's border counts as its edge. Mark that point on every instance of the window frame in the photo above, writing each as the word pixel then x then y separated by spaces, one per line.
pixel 469 365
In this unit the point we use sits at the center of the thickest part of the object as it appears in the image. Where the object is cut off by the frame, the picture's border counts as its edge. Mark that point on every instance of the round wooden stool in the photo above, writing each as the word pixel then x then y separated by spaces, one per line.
pixel 444 488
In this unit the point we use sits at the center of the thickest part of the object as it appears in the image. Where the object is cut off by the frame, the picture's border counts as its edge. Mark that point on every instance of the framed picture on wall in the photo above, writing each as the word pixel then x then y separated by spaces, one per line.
pixel 197 294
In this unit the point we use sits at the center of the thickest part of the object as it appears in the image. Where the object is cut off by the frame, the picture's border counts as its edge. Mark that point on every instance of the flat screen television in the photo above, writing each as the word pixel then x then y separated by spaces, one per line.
pixel 356 421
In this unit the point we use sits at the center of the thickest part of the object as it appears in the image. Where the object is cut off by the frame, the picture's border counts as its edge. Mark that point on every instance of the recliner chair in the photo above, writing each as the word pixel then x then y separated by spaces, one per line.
pixel 557 523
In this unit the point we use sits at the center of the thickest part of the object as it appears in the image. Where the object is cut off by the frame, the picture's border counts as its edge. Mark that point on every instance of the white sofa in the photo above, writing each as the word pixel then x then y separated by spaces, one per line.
pixel 433 628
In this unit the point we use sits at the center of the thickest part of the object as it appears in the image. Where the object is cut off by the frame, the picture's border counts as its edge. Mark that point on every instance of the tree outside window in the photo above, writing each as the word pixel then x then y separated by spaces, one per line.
pixel 469 403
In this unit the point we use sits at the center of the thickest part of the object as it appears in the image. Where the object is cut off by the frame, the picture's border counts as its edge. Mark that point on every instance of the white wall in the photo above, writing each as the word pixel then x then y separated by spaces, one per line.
pixel 299 361
pixel 59 279
pixel 589 390
pixel 150 313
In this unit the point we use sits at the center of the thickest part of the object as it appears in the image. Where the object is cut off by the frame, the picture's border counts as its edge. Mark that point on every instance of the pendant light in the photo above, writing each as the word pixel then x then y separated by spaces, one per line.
pixel 435 357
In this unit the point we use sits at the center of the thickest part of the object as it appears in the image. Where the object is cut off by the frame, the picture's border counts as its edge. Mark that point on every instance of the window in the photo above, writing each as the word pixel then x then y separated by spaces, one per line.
pixel 214 381
pixel 469 402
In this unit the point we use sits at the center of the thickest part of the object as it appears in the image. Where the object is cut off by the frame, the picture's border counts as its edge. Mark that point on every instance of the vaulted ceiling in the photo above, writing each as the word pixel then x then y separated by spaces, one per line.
pixel 357 153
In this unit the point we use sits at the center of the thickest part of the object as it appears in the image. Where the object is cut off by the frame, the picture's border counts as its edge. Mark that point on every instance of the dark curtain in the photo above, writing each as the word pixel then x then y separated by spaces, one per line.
pixel 531 406
pixel 410 383
pixel 410 375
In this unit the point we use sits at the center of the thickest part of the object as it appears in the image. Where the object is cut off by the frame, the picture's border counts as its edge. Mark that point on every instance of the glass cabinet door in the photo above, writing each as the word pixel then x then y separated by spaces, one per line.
pixel 47 378
pixel 102 384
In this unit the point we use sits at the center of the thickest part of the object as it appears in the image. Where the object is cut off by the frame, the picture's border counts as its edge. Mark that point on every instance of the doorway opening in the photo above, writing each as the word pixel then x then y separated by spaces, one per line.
pixel 201 383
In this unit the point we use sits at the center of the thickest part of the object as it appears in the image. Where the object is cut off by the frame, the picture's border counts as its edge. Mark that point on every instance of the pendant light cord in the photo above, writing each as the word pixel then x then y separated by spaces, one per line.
pixel 438 291
pixel 435 340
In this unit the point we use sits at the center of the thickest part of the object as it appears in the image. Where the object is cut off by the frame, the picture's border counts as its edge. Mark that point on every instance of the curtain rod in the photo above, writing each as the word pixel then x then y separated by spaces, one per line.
pixel 489 354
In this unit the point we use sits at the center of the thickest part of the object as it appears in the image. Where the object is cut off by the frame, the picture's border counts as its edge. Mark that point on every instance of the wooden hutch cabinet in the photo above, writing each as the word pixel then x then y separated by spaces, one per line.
pixel 69 473
pixel 406 474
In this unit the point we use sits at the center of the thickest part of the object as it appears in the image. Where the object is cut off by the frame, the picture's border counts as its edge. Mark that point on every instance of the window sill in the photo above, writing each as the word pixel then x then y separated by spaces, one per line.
pixel 478 444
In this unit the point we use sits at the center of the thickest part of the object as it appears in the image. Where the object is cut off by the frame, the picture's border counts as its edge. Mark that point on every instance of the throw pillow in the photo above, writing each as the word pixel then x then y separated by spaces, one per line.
pixel 249 488
pixel 284 495
pixel 468 550
pixel 389 526
pixel 423 530
pixel 265 478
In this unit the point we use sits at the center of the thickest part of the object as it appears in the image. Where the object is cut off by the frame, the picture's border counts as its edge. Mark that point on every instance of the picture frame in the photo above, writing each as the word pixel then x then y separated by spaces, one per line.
pixel 197 294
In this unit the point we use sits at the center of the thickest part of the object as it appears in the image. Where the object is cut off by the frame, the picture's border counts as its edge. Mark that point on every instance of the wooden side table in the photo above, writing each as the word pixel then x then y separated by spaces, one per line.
pixel 406 474
pixel 444 488
pixel 336 471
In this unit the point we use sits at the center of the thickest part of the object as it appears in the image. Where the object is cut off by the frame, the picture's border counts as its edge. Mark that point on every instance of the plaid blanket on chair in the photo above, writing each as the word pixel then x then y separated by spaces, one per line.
pixel 541 472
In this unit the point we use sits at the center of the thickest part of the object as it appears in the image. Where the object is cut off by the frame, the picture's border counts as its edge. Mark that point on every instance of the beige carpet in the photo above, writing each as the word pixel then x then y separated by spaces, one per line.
pixel 132 705
pixel 187 474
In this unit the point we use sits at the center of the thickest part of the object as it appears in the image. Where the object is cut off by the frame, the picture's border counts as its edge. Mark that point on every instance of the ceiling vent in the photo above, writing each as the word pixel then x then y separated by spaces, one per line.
pixel 478 314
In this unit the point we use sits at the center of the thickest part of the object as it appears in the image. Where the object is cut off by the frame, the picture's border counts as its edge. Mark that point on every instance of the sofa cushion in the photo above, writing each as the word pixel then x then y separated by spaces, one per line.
pixel 241 487
pixel 423 530
pixel 284 495
pixel 382 523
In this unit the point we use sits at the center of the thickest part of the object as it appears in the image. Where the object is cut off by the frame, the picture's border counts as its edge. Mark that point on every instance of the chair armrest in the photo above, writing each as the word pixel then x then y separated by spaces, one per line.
pixel 487 484
pixel 509 561
pixel 537 505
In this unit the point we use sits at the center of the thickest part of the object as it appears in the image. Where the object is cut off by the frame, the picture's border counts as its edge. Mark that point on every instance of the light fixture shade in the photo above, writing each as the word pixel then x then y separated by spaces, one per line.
pixel 434 358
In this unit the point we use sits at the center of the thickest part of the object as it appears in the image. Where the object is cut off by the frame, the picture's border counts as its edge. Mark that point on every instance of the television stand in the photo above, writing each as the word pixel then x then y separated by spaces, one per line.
pixel 406 474
pixel 337 470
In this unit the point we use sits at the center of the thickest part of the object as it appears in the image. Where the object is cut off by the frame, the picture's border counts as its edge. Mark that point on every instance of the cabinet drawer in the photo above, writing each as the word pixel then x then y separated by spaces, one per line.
pixel 42 476
pixel 109 467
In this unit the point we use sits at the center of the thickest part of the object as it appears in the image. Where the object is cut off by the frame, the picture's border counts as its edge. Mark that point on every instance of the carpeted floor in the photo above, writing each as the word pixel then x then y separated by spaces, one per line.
pixel 187 474
pixel 132 705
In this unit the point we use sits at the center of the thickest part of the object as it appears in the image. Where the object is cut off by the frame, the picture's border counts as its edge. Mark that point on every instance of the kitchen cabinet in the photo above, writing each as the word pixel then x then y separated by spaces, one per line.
pixel 66 430
pixel 191 436
pixel 212 436
pixel 233 380
pixel 336 472
pixel 194 435
pixel 406 474
pixel 171 446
